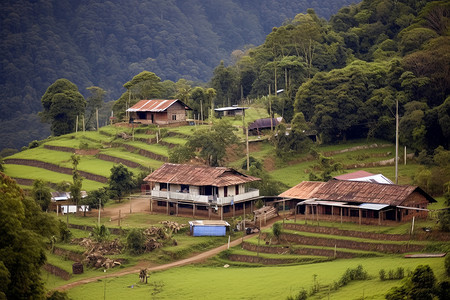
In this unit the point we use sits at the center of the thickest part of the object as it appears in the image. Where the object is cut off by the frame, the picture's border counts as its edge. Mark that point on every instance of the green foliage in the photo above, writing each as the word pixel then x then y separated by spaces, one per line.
pixel 94 197
pixel 396 274
pixel 325 165
pixel 211 144
pixel 447 265
pixel 57 295
pixel 41 194
pixel 136 241
pixel 121 181
pixel 267 185
pixel 33 144
pixel 23 228
pixel 276 230
pixel 421 285
pixel 100 233
pixel 93 103
pixel 62 104
pixel 293 141
pixel 65 235
pixel 75 188
pixel 252 162
pixel 302 295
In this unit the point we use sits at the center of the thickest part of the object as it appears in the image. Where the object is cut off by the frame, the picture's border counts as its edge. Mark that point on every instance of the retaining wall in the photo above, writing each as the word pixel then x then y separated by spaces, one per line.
pixel 298 251
pixel 73 256
pixel 330 242
pixel 57 271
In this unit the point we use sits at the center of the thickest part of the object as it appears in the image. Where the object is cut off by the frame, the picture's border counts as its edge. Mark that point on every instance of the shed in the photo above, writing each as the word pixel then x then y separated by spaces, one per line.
pixel 208 227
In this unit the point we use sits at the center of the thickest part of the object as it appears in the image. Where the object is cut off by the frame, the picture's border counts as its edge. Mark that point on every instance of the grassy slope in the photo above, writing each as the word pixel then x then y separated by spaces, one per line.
pixel 216 282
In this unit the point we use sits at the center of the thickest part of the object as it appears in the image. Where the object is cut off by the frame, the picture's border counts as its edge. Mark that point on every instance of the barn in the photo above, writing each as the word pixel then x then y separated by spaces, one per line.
pixel 158 111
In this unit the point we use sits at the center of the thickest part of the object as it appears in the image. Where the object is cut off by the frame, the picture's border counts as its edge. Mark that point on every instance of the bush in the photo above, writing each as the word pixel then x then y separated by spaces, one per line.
pixel 64 233
pixel 100 233
pixel 276 230
pixel 33 144
pixel 447 264
pixel 302 295
pixel 382 275
pixel 136 241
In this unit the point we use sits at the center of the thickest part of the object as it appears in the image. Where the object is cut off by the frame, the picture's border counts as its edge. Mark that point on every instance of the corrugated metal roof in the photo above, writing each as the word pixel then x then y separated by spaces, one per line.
pixel 364 176
pixel 230 108
pixel 353 175
pixel 198 175
pixel 354 191
pixel 373 206
pixel 154 105
pixel 208 223
pixel 303 190
pixel 264 123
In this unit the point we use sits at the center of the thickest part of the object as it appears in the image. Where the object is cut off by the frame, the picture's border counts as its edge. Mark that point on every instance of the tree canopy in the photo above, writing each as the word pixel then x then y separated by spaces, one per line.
pixel 62 103
pixel 23 230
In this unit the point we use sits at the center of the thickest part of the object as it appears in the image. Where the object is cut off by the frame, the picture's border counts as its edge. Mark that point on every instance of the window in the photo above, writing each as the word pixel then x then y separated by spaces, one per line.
pixel 185 188
pixel 163 186
pixel 174 117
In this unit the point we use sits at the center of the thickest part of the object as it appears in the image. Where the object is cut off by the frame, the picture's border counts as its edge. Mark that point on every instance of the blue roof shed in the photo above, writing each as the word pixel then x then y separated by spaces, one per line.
pixel 208 227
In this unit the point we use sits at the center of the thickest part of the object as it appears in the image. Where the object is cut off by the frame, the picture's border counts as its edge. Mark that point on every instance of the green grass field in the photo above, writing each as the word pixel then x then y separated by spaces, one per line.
pixel 217 282
pixel 27 172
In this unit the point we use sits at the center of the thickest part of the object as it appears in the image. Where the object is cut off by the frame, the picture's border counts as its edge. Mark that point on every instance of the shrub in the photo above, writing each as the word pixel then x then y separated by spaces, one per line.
pixel 64 233
pixel 100 233
pixel 276 230
pixel 136 241
pixel 302 295
pixel 33 144
pixel 447 264
pixel 382 275
pixel 399 273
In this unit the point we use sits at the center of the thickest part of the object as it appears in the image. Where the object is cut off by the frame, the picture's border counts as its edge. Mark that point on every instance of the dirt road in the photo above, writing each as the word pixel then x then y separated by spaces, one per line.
pixel 142 265
pixel 142 205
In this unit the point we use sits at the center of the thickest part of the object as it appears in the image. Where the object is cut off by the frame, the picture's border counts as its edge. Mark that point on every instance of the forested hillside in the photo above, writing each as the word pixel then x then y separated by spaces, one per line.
pixel 105 43
pixel 342 78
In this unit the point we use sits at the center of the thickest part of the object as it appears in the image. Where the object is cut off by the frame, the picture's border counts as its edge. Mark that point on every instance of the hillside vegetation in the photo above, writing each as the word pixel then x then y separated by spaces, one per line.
pixel 105 43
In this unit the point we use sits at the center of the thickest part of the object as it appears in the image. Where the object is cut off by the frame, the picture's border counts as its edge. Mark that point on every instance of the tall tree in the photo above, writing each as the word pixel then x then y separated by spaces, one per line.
pixel 94 102
pixel 23 229
pixel 62 104
pixel 120 181
pixel 75 188
pixel 41 194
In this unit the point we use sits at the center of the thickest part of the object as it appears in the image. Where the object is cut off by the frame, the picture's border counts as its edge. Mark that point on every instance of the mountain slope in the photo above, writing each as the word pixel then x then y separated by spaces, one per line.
pixel 106 43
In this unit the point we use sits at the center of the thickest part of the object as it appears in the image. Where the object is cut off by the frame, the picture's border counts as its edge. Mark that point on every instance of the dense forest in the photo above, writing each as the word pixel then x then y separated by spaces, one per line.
pixel 106 43
pixel 344 77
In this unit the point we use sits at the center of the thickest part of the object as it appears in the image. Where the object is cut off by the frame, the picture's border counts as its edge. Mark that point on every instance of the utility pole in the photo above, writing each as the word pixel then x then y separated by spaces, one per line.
pixel 396 141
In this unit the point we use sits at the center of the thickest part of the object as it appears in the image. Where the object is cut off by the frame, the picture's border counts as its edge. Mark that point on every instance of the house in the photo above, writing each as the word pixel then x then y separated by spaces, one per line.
pixel 208 227
pixel 210 192
pixel 158 111
pixel 364 176
pixel 263 124
pixel 230 111
pixel 355 201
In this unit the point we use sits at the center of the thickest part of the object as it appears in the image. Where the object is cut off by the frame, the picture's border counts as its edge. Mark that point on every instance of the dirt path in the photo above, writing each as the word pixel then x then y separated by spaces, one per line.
pixel 137 205
pixel 150 267
pixel 142 205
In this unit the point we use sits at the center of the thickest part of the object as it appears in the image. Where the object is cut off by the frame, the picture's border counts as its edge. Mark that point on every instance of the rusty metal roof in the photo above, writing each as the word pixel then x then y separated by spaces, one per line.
pixel 198 175
pixel 353 175
pixel 155 105
pixel 303 190
pixel 354 191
